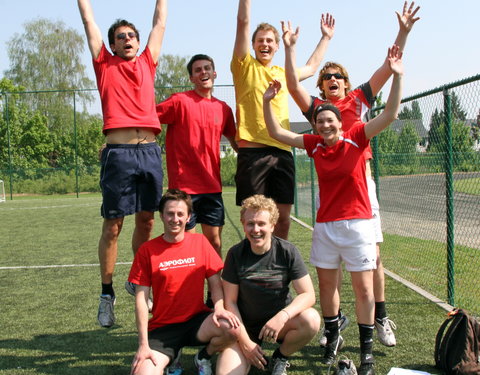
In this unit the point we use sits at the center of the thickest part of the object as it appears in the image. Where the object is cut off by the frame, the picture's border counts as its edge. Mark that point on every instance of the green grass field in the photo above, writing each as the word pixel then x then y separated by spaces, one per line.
pixel 49 287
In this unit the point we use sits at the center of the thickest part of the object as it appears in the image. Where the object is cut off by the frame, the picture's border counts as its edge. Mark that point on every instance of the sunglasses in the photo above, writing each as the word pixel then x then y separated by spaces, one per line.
pixel 328 76
pixel 130 34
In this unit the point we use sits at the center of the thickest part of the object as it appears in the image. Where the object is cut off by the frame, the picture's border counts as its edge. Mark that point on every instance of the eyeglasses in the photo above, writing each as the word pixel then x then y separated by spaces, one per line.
pixel 328 76
pixel 130 34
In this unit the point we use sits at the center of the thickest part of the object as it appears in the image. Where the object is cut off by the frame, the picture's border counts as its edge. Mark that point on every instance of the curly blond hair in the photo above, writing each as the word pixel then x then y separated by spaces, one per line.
pixel 259 202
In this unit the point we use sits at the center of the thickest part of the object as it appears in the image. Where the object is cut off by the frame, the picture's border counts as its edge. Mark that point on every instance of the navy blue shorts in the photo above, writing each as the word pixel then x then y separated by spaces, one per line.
pixel 171 338
pixel 207 209
pixel 131 179
pixel 265 170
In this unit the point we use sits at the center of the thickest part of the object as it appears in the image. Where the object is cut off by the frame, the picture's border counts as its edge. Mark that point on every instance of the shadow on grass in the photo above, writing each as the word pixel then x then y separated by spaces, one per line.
pixel 93 352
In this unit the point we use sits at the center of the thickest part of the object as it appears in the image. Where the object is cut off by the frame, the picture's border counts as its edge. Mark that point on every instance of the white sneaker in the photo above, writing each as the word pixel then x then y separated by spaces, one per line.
pixel 176 367
pixel 279 366
pixel 106 314
pixel 204 366
pixel 385 332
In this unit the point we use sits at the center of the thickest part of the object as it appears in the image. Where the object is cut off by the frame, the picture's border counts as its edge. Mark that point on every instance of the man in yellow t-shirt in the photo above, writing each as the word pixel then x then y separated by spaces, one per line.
pixel 264 165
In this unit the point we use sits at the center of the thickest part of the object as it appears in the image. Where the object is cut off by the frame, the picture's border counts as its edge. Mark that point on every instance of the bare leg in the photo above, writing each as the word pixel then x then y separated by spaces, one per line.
pixel 143 228
pixel 107 247
pixel 329 297
pixel 379 279
pixel 299 331
pixel 362 283
pixel 283 224
pixel 214 236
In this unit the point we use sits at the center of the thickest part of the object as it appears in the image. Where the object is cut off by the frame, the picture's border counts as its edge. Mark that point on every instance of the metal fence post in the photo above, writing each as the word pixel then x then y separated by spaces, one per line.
pixel 449 197
pixel 295 191
pixel 77 188
pixel 10 171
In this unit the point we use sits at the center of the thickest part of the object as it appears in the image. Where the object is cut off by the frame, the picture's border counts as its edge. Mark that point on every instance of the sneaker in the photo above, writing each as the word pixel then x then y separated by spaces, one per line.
pixel 367 365
pixel 106 315
pixel 130 288
pixel 204 366
pixel 331 351
pixel 385 332
pixel 346 366
pixel 342 324
pixel 176 367
pixel 279 366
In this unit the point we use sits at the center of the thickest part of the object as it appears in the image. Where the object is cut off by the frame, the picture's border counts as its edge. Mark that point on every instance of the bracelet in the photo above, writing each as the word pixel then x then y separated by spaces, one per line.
pixel 286 312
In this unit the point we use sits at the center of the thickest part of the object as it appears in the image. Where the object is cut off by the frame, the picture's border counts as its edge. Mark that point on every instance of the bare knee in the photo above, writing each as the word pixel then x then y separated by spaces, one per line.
pixel 309 322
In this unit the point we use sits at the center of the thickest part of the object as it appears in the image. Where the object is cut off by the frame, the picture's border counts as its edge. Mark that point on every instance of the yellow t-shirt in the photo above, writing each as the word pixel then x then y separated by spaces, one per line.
pixel 251 79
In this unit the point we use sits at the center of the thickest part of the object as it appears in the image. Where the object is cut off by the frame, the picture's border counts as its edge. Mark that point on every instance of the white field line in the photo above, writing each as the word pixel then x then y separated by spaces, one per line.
pixel 59 266
pixel 50 207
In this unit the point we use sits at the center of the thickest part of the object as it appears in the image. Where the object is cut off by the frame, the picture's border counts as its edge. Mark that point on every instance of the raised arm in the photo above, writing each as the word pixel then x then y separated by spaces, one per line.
pixel 94 35
pixel 274 129
pixel 406 20
pixel 155 38
pixel 327 26
pixel 242 43
pixel 389 114
pixel 296 90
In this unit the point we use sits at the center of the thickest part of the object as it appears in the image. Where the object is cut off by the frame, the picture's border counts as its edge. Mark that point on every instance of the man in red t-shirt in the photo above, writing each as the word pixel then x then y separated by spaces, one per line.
pixel 196 122
pixel 174 266
pixel 335 88
pixel 131 173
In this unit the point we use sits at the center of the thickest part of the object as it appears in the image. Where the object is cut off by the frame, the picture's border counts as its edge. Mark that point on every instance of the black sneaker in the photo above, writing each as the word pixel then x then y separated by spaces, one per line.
pixel 366 365
pixel 331 350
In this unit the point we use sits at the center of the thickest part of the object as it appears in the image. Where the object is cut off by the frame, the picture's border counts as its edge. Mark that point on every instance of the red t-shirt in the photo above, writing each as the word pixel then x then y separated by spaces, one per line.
pixel 127 91
pixel 353 108
pixel 195 126
pixel 341 176
pixel 176 272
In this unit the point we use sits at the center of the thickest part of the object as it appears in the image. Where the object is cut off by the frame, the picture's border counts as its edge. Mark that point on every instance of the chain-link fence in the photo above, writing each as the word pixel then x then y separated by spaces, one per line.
pixel 427 169
pixel 49 140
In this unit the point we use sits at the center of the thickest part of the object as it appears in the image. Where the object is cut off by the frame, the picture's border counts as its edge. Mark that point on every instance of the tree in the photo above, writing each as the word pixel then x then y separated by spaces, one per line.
pixel 47 56
pixel 436 138
pixel 413 113
pixel 171 76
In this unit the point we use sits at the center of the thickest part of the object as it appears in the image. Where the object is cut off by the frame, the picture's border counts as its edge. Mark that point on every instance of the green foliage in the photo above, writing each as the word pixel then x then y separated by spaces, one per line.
pixel 172 76
pixel 411 113
pixel 228 168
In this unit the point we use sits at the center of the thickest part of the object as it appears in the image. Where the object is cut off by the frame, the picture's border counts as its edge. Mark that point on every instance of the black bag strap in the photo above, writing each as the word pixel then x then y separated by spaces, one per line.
pixel 438 340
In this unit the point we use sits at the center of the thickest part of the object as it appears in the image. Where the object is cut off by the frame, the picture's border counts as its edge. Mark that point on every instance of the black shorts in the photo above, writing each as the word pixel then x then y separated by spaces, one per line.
pixel 171 338
pixel 266 170
pixel 131 179
pixel 207 209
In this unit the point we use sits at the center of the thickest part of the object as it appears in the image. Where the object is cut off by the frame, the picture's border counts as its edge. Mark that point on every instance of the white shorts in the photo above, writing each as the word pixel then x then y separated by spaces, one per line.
pixel 350 241
pixel 377 222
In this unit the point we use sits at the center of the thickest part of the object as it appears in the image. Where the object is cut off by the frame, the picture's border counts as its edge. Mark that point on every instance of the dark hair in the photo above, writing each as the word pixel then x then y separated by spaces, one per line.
pixel 327 107
pixel 175 195
pixel 196 58
pixel 119 23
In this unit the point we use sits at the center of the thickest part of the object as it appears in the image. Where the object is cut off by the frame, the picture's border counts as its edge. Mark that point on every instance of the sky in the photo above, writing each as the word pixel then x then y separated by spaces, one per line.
pixel 443 46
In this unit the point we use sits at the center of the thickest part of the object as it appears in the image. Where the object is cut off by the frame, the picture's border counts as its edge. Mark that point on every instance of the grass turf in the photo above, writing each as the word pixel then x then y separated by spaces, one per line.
pixel 48 315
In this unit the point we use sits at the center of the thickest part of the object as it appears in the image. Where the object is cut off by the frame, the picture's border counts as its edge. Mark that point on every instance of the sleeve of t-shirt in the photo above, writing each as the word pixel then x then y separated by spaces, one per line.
pixel 229 272
pixel 297 267
pixel 166 111
pixel 310 142
pixel 140 272
pixel 366 89
pixel 147 55
pixel 357 133
pixel 229 130
pixel 213 262
pixel 309 113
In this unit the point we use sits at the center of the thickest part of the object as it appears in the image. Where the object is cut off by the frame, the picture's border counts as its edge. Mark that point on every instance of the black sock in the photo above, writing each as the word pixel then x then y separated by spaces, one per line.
pixel 380 311
pixel 202 354
pixel 278 354
pixel 366 338
pixel 108 289
pixel 331 328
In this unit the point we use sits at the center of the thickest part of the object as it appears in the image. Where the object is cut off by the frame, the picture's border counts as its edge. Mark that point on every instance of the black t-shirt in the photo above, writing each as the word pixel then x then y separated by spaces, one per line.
pixel 263 280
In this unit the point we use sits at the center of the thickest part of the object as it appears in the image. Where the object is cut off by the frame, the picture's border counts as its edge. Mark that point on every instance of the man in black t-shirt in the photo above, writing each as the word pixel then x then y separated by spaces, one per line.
pixel 256 279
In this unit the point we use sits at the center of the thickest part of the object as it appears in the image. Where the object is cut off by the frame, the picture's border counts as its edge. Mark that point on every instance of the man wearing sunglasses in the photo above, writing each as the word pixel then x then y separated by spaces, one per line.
pixel 131 173
pixel 335 88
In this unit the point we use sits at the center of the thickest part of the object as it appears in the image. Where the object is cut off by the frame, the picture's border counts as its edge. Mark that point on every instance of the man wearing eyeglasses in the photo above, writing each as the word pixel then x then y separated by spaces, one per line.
pixel 131 173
